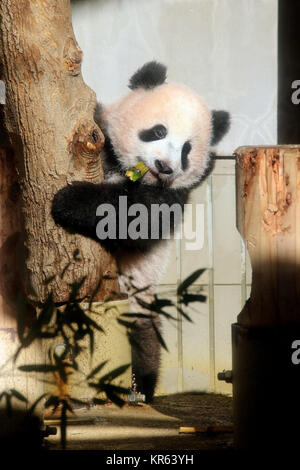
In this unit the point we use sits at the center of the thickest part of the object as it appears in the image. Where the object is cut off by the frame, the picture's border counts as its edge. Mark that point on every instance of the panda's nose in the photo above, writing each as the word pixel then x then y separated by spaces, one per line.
pixel 163 167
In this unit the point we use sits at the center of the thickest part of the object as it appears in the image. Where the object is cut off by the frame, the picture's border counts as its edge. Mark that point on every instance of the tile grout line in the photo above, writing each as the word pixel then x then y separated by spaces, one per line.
pixel 212 365
pixel 179 323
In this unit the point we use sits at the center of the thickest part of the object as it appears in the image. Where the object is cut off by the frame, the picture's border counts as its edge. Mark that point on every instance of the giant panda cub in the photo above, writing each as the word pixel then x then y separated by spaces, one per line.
pixel 168 128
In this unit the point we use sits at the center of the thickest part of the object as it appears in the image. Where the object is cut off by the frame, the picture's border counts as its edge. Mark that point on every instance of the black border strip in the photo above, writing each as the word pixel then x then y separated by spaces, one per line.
pixel 288 122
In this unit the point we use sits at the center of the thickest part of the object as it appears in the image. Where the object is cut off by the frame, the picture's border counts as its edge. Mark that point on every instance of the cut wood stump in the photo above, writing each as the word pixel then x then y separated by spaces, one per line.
pixel 268 219
pixel 266 381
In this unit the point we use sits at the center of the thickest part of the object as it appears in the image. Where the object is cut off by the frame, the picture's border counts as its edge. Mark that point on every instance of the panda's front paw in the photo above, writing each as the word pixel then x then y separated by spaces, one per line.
pixel 74 207
pixel 67 202
pixel 62 205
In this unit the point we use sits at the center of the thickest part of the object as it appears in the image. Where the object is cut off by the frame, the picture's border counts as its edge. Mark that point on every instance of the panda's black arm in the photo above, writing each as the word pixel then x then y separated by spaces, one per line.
pixel 74 207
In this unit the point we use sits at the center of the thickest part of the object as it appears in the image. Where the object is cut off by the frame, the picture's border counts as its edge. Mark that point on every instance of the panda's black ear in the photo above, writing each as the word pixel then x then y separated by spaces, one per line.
pixel 149 76
pixel 220 125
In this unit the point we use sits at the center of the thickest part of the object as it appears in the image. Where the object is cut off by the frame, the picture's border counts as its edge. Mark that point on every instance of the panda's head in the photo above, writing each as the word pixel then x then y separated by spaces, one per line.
pixel 165 125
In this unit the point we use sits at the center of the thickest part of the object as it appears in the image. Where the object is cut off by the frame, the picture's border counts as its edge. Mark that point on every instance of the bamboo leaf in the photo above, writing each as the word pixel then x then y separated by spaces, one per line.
pixel 114 373
pixel 18 395
pixel 53 400
pixel 185 315
pixel 38 368
pixel 35 403
pixel 188 298
pixel 116 388
pixel 127 324
pixel 96 370
pixel 114 397
pixel 76 401
pixel 159 337
pixel 189 280
pixel 98 401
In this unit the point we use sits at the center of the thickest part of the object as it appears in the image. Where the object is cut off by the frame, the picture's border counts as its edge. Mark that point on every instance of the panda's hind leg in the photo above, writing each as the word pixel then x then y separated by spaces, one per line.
pixel 146 355
pixel 138 271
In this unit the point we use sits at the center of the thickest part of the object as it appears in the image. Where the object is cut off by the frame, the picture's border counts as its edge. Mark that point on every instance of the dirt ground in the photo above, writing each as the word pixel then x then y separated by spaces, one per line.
pixel 153 427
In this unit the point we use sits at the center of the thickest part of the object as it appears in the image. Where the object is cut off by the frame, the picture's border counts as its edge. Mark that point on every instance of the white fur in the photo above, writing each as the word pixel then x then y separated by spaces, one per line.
pixel 186 118
pixel 145 269
pixel 181 111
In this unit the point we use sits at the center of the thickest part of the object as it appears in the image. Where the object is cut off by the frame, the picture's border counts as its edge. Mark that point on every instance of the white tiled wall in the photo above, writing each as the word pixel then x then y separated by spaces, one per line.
pixel 226 50
pixel 206 346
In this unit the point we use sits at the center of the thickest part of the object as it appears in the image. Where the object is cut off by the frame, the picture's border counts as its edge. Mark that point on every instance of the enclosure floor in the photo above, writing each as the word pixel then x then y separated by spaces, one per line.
pixel 153 427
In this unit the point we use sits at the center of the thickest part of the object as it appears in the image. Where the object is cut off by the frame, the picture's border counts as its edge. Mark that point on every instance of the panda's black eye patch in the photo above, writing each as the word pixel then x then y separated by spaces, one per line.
pixel 186 148
pixel 157 132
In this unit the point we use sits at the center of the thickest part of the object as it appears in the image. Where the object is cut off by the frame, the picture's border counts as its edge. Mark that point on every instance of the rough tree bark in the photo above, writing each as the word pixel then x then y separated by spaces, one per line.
pixel 49 119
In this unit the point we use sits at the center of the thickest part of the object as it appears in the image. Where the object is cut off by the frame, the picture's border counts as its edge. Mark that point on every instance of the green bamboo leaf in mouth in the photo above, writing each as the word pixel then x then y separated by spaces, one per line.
pixel 136 172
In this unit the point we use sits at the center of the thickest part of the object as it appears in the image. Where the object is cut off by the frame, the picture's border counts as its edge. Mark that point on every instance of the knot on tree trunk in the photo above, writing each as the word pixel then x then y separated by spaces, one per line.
pixel 72 56
pixel 85 146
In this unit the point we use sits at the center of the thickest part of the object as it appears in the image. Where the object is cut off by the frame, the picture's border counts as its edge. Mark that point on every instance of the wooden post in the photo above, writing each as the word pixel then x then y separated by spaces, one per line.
pixel 268 219
pixel 266 379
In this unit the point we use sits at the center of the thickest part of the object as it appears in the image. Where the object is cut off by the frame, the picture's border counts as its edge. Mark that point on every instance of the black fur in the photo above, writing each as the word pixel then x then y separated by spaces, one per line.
pixel 74 208
pixel 186 148
pixel 157 132
pixel 220 124
pixel 111 159
pixel 149 76
pixel 146 356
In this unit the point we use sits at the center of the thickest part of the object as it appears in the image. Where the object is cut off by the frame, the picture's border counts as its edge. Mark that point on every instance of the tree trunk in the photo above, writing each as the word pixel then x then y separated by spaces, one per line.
pixel 49 118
